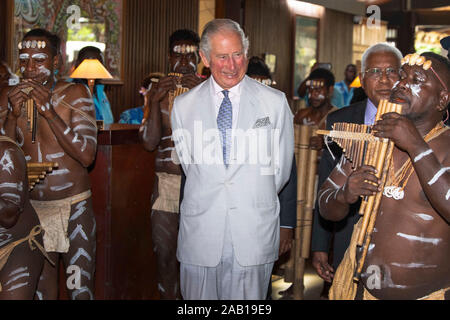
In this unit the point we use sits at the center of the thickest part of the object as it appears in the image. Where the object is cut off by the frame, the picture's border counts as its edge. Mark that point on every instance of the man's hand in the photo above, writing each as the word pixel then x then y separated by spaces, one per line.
pixel 41 96
pixel 16 99
pixel 316 143
pixel 361 183
pixel 286 235
pixel 190 80
pixel 165 84
pixel 320 263
pixel 399 129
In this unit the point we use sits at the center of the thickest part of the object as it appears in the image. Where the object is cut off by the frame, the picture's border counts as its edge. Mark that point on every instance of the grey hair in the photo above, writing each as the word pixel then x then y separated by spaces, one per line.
pixel 217 25
pixel 379 47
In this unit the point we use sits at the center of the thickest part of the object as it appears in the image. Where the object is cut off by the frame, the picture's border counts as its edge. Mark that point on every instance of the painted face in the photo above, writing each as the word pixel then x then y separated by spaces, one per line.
pixel 180 60
pixel 380 75
pixel 37 63
pixel 227 61
pixel 318 94
pixel 417 91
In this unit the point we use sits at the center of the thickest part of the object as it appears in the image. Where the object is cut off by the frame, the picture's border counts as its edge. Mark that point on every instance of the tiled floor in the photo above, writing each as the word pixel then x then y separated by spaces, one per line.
pixel 313 285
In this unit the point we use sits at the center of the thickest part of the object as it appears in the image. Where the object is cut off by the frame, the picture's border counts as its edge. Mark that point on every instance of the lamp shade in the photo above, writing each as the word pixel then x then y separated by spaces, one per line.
pixel 356 83
pixel 91 69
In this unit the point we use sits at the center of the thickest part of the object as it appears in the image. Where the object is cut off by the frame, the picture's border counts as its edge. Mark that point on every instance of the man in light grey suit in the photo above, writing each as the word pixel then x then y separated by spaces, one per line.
pixel 234 138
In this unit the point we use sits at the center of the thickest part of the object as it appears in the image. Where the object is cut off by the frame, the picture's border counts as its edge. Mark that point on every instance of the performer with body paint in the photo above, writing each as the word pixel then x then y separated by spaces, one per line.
pixel 156 133
pixel 321 87
pixel 21 261
pixel 408 254
pixel 66 134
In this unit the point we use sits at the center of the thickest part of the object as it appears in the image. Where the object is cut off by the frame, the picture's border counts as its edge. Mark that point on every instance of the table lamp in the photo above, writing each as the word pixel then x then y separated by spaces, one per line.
pixel 91 69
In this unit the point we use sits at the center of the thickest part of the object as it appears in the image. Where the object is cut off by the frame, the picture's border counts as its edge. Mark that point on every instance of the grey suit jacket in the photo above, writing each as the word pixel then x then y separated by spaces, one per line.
pixel 245 193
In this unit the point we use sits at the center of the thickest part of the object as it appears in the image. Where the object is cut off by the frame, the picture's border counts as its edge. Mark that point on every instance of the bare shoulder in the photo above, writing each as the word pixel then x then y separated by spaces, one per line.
pixel 12 157
pixel 72 91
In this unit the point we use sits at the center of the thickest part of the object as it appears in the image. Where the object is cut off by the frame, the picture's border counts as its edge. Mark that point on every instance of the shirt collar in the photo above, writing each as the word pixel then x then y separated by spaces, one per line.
pixel 217 89
pixel 371 112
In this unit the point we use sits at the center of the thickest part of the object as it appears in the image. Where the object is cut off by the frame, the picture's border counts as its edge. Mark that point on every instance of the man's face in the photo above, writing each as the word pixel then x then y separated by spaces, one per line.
pixel 37 63
pixel 350 73
pixel 418 91
pixel 181 61
pixel 380 75
pixel 318 93
pixel 227 60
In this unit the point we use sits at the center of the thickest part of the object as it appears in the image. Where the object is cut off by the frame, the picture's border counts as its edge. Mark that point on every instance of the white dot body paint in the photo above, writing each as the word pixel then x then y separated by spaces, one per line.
pixel 66 132
pixel 447 195
pixel 434 241
pixel 438 175
pixel 423 154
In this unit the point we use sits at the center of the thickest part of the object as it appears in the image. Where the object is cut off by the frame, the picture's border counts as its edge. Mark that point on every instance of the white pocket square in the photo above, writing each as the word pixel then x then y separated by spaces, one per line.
pixel 263 122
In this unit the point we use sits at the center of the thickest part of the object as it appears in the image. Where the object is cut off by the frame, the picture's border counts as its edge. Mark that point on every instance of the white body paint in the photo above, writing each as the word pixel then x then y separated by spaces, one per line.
pixel 413 265
pixel 434 241
pixel 6 162
pixel 63 187
pixel 424 216
pixel 423 154
pixel 53 156
pixel 438 175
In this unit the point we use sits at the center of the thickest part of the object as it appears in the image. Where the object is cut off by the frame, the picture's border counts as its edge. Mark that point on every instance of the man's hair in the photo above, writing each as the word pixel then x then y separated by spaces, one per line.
pixel 379 47
pixel 85 51
pixel 325 74
pixel 218 25
pixel 53 40
pixel 350 65
pixel 257 67
pixel 183 35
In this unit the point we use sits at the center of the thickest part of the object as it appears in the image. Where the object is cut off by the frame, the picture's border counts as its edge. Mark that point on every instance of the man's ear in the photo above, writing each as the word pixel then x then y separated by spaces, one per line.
pixel 204 59
pixel 361 80
pixel 444 100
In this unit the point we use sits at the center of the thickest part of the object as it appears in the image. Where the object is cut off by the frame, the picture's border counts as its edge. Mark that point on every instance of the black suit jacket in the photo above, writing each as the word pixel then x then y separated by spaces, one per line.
pixel 323 229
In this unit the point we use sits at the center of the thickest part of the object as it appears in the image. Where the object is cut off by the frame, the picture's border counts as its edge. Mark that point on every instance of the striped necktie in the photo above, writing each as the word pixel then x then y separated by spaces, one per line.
pixel 224 121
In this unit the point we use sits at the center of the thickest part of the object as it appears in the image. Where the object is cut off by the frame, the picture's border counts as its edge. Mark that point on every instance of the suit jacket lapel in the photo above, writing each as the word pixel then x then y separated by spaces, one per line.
pixel 360 113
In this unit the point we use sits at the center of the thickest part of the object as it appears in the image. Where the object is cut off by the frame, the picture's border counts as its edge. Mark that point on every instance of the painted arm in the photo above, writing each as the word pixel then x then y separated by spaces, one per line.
pixel 344 187
pixel 13 190
pixel 150 131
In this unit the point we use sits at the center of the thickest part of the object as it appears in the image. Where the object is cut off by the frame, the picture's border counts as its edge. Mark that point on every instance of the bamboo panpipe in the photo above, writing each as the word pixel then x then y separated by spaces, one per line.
pixel 306 174
pixel 32 114
pixel 37 171
pixel 178 91
pixel 353 138
pixel 289 270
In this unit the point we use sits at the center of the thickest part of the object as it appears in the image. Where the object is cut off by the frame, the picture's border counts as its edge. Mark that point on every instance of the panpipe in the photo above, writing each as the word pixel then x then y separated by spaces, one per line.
pixel 178 91
pixel 37 172
pixel 361 147
pixel 32 114
pixel 306 159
